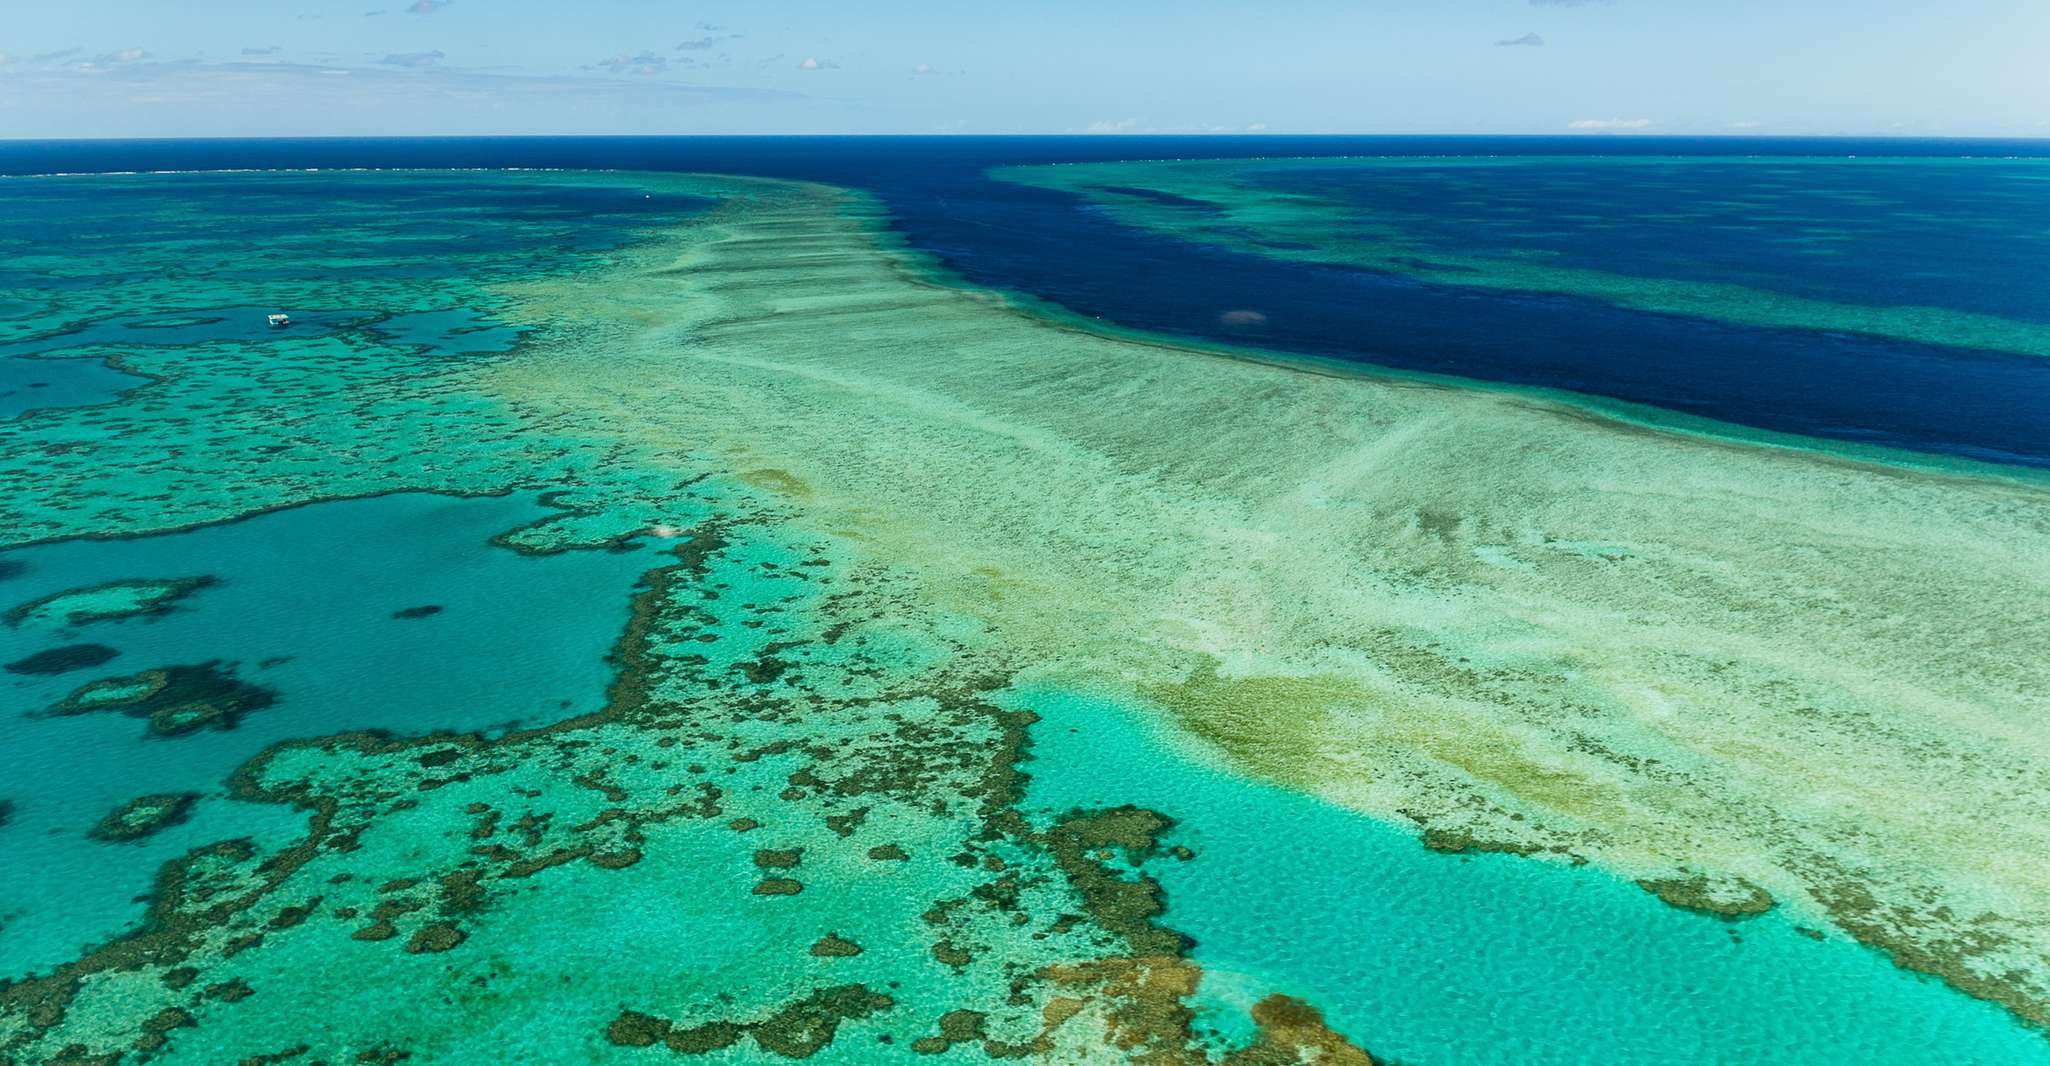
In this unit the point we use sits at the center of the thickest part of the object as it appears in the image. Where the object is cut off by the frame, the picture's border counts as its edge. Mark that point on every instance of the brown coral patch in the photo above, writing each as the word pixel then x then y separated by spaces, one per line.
pixel 797 1030
pixel 145 815
pixel 835 946
pixel 1732 899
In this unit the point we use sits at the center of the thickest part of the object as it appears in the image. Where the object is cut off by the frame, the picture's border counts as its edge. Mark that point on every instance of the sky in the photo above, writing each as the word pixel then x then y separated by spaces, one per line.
pixel 184 68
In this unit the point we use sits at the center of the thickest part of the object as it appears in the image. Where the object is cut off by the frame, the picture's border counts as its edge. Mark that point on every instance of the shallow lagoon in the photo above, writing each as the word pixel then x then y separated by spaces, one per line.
pixel 31 384
pixel 306 602
pixel 1482 959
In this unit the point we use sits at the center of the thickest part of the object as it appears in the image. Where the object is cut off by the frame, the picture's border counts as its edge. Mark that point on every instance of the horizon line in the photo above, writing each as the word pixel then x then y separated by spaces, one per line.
pixel 1604 136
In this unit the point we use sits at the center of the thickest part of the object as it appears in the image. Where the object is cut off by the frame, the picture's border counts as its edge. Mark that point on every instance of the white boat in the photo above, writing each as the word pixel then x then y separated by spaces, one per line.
pixel 277 321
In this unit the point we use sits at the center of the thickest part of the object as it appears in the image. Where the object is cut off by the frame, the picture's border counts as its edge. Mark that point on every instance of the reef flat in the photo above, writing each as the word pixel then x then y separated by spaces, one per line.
pixel 893 527
pixel 1511 622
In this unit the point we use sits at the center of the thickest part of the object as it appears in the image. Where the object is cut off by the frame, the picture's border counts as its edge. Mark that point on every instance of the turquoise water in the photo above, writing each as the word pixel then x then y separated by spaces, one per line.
pixel 31 384
pixel 304 604
pixel 170 330
pixel 452 331
pixel 775 674
pixel 1484 959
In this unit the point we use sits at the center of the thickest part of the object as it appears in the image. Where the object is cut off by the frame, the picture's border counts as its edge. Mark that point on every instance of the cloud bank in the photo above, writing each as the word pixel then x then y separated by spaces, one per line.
pixel 414 59
pixel 639 63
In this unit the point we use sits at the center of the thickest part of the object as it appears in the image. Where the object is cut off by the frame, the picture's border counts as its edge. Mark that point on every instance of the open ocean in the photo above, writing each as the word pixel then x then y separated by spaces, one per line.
pixel 1827 383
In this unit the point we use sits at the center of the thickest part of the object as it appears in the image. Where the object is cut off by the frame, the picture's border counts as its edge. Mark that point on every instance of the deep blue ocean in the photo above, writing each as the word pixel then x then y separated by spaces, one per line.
pixel 1835 384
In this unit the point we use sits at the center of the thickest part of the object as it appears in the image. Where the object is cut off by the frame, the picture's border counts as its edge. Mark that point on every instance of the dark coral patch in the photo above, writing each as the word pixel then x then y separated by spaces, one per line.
pixel 1462 842
pixel 435 938
pixel 62 660
pixel 635 1029
pixel 798 1030
pixel 175 701
pixel 1731 899
pixel 775 859
pixel 956 1027
pixel 835 946
pixel 425 610
pixel 801 1029
pixel 1126 908
pixel 145 815
pixel 157 1029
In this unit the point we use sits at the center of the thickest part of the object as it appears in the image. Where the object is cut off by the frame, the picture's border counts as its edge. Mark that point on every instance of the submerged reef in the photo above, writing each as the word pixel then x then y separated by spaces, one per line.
pixel 471 849
pixel 1734 899
pixel 63 660
pixel 129 598
pixel 1391 214
pixel 145 815
pixel 802 823
pixel 174 700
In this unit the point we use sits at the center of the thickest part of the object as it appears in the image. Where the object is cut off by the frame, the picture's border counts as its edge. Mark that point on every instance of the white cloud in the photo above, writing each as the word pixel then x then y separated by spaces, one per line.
pixel 640 63
pixel 102 63
pixel 1609 124
pixel 427 7
pixel 411 96
pixel 1107 125
pixel 815 63
pixel 923 68
pixel 707 42
pixel 414 59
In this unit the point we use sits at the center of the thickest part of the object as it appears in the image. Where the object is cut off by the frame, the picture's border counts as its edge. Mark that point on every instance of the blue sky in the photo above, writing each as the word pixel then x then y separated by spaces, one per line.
pixel 84 68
